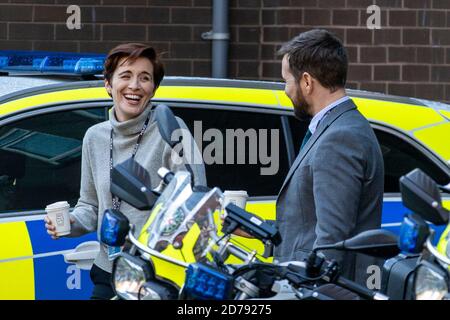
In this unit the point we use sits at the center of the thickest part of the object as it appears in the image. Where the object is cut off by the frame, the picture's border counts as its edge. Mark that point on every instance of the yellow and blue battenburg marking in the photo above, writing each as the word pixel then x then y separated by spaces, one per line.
pixel 32 265
pixel 16 263
pixel 54 278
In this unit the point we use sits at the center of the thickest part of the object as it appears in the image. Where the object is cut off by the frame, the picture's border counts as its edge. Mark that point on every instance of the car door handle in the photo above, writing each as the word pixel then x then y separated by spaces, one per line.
pixel 83 255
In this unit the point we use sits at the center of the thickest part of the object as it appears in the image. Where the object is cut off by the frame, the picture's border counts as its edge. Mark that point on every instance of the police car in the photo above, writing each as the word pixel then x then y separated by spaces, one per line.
pixel 43 119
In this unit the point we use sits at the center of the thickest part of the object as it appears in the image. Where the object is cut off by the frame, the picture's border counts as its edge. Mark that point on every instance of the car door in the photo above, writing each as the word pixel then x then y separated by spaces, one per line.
pixel 40 153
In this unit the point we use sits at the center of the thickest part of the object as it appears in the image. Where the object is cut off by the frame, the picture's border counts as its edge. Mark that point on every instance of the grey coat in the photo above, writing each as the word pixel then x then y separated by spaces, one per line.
pixel 333 191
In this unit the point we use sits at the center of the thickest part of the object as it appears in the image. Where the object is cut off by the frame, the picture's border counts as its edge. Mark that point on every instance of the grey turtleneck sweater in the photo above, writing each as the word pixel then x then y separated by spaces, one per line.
pixel 95 195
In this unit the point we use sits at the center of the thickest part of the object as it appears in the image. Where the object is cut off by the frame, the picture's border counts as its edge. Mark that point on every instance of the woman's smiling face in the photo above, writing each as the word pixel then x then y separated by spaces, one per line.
pixel 131 87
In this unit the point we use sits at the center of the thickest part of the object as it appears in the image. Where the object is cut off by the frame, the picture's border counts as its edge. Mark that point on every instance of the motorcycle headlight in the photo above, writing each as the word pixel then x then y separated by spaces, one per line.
pixel 430 282
pixel 129 274
pixel 157 290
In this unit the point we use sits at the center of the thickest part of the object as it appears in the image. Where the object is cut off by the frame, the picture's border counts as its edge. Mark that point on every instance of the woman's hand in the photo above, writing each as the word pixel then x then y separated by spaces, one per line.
pixel 51 229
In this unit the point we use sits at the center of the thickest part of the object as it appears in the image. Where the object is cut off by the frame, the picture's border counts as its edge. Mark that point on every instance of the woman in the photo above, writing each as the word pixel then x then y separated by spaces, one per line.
pixel 132 73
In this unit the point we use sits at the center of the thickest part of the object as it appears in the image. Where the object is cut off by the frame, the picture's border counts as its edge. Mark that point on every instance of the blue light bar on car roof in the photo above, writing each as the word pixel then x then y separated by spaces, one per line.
pixel 51 62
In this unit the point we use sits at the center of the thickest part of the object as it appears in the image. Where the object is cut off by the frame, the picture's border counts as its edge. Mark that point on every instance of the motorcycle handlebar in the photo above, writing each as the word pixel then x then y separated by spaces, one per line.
pixel 240 253
pixel 360 290
pixel 296 274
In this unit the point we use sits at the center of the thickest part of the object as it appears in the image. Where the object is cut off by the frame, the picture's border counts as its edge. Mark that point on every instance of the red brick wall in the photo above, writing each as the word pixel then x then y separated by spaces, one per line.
pixel 409 55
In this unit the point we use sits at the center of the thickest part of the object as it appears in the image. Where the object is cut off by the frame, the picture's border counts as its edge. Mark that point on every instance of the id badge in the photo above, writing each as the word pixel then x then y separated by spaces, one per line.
pixel 113 252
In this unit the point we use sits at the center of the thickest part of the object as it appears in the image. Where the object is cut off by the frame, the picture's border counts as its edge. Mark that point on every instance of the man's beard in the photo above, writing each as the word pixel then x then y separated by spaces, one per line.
pixel 301 107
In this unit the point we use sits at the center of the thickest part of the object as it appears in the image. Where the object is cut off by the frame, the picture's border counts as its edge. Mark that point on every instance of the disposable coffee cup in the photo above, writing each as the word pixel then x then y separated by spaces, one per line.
pixel 238 198
pixel 58 213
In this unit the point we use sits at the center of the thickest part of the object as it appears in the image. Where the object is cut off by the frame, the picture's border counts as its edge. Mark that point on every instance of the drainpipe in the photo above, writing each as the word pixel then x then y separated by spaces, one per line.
pixel 220 37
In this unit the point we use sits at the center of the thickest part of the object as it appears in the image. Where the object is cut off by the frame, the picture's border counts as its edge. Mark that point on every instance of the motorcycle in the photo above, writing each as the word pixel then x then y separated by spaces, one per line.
pixel 179 233
pixel 180 254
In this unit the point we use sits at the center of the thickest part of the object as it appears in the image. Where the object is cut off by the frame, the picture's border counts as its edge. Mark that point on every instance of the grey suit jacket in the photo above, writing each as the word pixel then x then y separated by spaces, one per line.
pixel 333 191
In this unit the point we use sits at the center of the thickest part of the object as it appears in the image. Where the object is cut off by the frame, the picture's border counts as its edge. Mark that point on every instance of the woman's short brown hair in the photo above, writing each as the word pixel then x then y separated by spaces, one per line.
pixel 132 51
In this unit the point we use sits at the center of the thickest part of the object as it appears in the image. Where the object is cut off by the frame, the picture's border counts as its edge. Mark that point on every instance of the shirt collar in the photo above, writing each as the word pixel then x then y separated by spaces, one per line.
pixel 320 115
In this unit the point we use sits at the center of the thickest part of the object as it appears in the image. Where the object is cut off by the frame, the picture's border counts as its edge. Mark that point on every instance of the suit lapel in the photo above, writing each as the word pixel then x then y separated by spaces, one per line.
pixel 334 114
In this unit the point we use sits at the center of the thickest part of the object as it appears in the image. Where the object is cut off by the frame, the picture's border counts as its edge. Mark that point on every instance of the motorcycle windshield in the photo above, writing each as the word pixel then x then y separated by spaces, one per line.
pixel 183 219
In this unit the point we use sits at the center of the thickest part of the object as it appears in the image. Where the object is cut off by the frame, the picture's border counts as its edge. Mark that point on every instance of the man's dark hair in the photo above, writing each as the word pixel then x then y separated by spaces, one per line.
pixel 321 54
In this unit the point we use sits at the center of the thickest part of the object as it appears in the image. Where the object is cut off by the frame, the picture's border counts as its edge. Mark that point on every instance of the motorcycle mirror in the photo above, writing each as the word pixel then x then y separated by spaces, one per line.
pixel 421 194
pixel 379 243
pixel 167 124
pixel 131 183
pixel 239 218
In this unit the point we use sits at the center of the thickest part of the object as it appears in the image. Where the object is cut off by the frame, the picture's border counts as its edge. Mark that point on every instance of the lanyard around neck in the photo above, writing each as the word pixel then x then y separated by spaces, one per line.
pixel 115 200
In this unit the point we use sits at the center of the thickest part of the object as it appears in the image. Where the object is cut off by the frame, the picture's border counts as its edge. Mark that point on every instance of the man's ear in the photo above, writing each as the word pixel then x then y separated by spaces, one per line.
pixel 307 82
pixel 108 87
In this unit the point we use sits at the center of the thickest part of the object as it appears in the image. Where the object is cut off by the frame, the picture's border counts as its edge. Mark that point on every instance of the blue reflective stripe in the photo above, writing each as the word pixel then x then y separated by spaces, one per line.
pixel 393 212
pixel 53 277
pixel 43 243
pixel 57 280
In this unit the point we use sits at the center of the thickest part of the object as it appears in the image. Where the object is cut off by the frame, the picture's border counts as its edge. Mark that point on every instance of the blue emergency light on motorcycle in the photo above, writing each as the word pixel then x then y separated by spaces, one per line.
pixel 114 228
pixel 203 282
pixel 51 62
pixel 413 234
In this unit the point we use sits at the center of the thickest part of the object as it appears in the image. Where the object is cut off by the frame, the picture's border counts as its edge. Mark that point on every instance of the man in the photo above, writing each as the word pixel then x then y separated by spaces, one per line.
pixel 334 189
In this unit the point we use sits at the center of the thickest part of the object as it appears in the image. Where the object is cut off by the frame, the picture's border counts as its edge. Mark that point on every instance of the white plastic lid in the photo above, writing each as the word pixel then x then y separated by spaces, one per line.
pixel 241 193
pixel 57 205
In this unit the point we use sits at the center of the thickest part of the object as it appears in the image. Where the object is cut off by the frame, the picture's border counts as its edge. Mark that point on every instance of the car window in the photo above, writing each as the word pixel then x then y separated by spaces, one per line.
pixel 298 129
pixel 263 171
pixel 40 158
pixel 400 157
